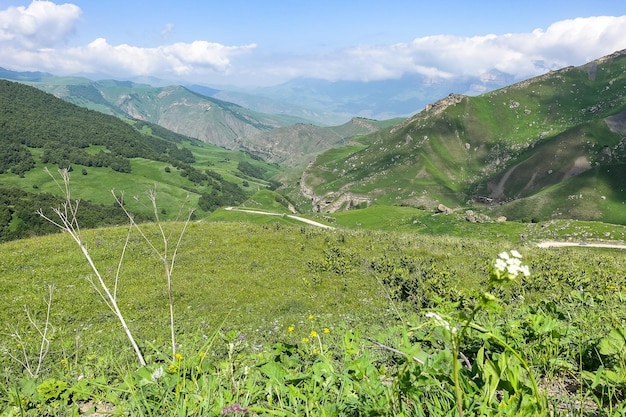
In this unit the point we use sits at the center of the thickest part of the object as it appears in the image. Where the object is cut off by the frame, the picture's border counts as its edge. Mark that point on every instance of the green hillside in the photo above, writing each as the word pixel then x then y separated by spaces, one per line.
pixel 277 138
pixel 398 306
pixel 514 143
pixel 308 314
pixel 38 130
pixel 297 144
pixel 173 107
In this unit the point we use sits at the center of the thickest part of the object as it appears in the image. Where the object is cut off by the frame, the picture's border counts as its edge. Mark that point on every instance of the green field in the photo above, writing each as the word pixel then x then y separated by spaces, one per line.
pixel 269 305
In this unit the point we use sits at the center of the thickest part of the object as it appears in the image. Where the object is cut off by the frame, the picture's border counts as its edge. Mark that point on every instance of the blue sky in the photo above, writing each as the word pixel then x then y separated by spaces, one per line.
pixel 262 42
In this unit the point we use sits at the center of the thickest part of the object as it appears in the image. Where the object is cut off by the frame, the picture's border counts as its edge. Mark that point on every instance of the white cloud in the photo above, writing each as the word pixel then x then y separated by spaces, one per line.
pixel 32 38
pixel 568 42
pixel 42 24
pixel 29 38
pixel 175 60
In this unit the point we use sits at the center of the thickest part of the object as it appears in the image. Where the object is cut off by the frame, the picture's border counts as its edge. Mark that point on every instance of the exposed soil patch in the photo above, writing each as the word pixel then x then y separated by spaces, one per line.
pixel 557 244
pixel 617 123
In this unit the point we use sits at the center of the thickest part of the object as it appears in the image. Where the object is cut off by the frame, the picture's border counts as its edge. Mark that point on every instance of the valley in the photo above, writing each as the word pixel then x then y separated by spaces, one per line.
pixel 218 260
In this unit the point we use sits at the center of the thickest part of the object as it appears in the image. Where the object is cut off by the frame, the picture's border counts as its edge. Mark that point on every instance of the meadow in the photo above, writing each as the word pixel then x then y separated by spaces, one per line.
pixel 272 317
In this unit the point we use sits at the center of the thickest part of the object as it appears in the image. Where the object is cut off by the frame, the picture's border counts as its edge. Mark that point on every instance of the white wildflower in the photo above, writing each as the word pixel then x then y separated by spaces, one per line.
pixel 157 374
pixel 439 321
pixel 500 264
pixel 525 270
pixel 509 266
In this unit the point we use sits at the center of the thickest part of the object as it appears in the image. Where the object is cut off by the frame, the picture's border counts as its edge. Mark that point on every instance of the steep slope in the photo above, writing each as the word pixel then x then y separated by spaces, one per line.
pixel 505 145
pixel 296 145
pixel 174 107
pixel 335 102
pixel 103 152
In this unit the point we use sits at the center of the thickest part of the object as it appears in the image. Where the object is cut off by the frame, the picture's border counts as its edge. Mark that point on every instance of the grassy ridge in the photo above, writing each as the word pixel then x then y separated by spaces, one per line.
pixel 105 153
pixel 146 174
pixel 258 276
pixel 508 144
pixel 259 283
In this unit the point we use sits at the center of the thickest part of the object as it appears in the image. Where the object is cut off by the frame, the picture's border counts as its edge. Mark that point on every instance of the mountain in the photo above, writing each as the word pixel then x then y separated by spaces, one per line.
pixel 173 107
pixel 296 145
pixel 278 128
pixel 22 76
pixel 336 102
pixel 276 138
pixel 551 146
pixel 104 152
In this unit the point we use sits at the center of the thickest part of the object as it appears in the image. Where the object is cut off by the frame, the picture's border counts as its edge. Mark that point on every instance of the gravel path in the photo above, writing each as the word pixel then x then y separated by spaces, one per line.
pixel 300 219
pixel 556 244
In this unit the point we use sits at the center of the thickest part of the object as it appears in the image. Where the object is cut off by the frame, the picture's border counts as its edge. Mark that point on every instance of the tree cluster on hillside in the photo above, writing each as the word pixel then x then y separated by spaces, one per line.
pixel 64 156
pixel 68 135
pixel 247 168
pixel 223 193
pixel 19 218
pixel 15 158
pixel 32 118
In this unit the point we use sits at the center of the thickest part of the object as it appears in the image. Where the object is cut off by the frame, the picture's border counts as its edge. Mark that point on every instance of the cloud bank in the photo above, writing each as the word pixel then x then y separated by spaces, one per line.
pixel 36 38
pixel 564 43
pixel 40 25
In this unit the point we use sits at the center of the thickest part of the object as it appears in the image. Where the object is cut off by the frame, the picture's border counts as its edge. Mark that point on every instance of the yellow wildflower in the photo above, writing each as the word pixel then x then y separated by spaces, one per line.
pixel 305 340
pixel 291 329
pixel 326 330
pixel 313 333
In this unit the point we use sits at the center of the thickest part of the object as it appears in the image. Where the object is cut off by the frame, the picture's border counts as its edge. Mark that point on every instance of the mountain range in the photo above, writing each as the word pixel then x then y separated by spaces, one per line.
pixel 552 146
pixel 40 134
pixel 277 138
pixel 335 102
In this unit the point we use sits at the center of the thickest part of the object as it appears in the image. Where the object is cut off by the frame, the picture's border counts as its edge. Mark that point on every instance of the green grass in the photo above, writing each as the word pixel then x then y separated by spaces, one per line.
pixel 224 269
pixel 597 194
pixel 96 186
pixel 253 282
pixel 246 264
pixel 171 187
pixel 541 127
pixel 268 200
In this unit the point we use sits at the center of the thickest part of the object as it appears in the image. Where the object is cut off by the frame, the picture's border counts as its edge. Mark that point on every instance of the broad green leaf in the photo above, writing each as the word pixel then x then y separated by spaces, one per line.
pixel 613 343
pixel 274 371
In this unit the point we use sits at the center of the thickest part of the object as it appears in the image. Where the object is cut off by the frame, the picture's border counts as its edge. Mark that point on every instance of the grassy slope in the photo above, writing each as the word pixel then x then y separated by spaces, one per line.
pixel 461 152
pixel 172 188
pixel 297 144
pixel 256 275
pixel 260 278
pixel 173 107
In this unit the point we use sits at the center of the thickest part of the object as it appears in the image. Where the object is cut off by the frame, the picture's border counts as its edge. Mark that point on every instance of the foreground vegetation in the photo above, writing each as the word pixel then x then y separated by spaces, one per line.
pixel 277 319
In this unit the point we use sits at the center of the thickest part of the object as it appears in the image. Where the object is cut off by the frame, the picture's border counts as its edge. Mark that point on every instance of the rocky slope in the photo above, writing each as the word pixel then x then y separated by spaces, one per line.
pixel 543 139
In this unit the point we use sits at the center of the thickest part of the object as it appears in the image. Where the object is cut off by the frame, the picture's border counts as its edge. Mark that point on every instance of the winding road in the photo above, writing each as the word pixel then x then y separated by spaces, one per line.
pixel 556 244
pixel 543 244
pixel 298 218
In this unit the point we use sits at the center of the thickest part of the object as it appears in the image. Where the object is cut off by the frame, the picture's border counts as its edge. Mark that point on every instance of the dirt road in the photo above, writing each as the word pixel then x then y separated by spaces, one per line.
pixel 555 244
pixel 300 219
pixel 544 244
